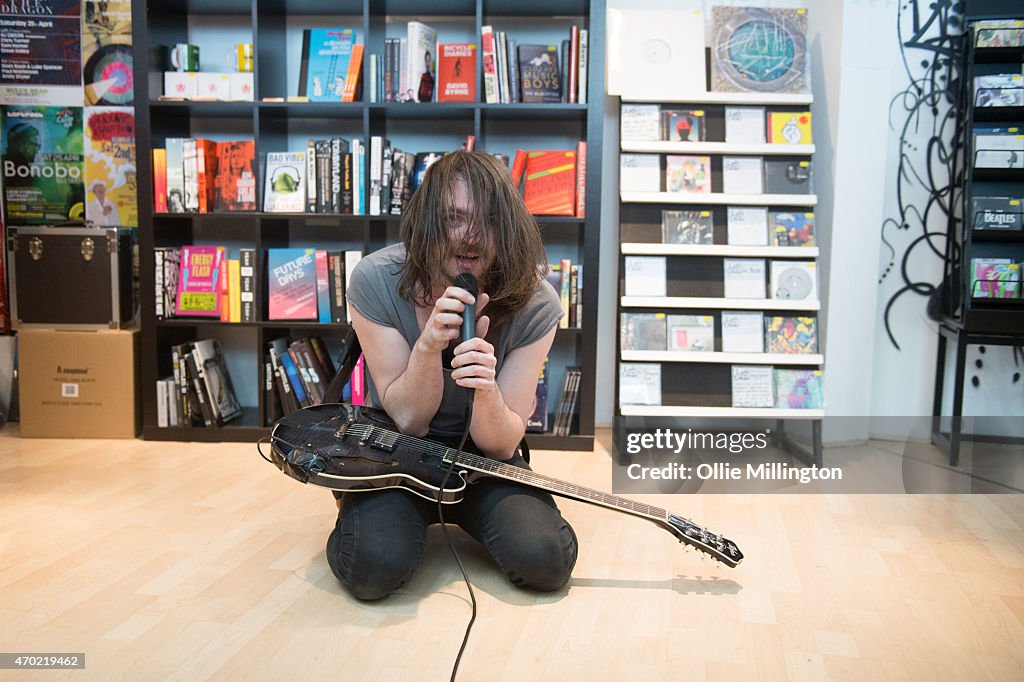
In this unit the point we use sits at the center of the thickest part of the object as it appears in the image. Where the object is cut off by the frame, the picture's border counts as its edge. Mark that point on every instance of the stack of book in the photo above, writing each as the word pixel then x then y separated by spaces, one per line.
pixel 297 372
pixel 195 175
pixel 535 73
pixel 201 281
pixel 568 402
pixel 200 392
pixel 554 182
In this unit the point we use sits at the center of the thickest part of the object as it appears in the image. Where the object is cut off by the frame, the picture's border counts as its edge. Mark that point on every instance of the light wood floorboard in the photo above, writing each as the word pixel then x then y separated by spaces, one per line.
pixel 185 561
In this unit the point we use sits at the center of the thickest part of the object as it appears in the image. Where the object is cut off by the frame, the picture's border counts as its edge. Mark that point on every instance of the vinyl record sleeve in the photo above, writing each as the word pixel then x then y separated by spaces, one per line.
pixel 656 55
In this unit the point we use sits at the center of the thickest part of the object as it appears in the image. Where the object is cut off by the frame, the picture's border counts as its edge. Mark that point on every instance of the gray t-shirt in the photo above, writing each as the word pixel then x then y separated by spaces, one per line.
pixel 373 292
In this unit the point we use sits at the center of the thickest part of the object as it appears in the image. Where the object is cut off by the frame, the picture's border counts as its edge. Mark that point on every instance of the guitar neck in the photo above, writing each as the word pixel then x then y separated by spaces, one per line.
pixel 509 472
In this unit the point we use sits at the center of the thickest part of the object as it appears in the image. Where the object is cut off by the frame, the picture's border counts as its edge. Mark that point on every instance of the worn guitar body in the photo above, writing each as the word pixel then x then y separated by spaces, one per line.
pixel 358 449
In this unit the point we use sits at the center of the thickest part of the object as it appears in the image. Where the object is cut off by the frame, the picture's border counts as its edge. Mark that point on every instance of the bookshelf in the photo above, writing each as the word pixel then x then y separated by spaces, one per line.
pixel 697 384
pixel 967 318
pixel 274 27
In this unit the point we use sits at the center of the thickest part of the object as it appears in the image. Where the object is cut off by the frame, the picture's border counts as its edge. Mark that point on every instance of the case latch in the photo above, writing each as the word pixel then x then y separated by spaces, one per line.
pixel 35 248
pixel 88 248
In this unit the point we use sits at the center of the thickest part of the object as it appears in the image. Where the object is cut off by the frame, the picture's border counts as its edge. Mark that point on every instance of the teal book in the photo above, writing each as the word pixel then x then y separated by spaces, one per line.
pixel 325 56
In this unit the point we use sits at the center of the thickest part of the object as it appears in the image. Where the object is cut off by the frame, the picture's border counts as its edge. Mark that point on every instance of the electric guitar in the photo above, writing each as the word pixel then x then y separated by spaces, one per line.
pixel 355 449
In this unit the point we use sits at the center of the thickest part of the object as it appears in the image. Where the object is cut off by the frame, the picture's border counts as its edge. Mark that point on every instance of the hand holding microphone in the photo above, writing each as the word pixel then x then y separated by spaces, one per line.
pixel 474 362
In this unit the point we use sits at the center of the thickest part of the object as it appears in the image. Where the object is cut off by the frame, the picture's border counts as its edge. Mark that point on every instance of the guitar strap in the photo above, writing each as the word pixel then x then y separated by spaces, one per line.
pixel 347 358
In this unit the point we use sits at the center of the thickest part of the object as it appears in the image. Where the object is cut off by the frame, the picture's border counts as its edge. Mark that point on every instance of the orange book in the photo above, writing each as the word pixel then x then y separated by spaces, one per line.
pixel 456 72
pixel 160 180
pixel 206 165
pixel 518 167
pixel 551 183
pixel 355 64
pixel 581 179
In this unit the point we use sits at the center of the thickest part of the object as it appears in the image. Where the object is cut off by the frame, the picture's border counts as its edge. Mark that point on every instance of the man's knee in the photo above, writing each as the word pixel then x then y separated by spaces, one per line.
pixel 544 561
pixel 371 571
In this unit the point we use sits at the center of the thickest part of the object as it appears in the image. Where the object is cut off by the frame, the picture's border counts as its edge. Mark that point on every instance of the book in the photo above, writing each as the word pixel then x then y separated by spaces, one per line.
pixel 175 175
pixel 43 164
pixel 421 66
pixel 787 176
pixel 160 181
pixel 687 227
pixel 167 262
pixel 247 284
pixel 794 280
pixel 353 77
pixel 742 332
pixel 511 55
pixel 639 173
pixel 691 333
pixel 639 122
pixel 235 185
pixel 788 334
pixel 995 278
pixel 291 280
pixel 639 383
pixel 642 331
pixel 997 213
pixel 110 174
pixel 747 225
pixel 323 296
pixel 744 125
pixel 568 402
pixel 490 70
pixel 742 175
pixel 190 173
pixel 789 127
pixel 197 396
pixel 550 185
pixel 571 74
pixel 537 422
pixel 326 53
pixel 744 277
pixel 456 72
pixel 581 179
pixel 687 174
pixel 199 281
pixel 285 187
pixel 682 125
pixel 539 73
pixel 798 389
pixel 645 276
pixel 752 386
pixel 217 381
pixel 791 228
pixel 584 65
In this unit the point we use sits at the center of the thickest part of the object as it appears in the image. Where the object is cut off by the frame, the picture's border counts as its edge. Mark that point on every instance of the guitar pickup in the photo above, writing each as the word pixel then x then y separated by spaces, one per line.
pixel 386 441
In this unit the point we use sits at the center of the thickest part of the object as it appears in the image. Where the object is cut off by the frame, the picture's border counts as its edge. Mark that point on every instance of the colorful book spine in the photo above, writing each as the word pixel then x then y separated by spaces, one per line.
pixel 160 181
pixel 490 72
pixel 199 281
pixel 581 179
pixel 323 285
pixel 247 284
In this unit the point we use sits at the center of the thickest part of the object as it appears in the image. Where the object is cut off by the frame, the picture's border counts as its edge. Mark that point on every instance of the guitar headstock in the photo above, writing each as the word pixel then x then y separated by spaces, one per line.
pixel 717 547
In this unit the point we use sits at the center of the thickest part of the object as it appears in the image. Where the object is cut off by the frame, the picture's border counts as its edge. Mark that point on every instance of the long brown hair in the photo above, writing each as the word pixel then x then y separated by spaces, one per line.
pixel 503 224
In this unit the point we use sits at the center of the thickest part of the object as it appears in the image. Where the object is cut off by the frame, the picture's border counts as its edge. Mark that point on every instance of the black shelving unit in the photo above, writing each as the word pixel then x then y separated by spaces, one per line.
pixel 968 320
pixel 270 124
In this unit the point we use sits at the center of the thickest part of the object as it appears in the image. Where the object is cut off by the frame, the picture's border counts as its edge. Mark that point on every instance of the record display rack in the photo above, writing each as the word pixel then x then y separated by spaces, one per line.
pixel 697 384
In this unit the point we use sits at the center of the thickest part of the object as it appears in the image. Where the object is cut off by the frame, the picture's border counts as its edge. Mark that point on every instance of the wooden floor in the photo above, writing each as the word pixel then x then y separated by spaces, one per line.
pixel 191 561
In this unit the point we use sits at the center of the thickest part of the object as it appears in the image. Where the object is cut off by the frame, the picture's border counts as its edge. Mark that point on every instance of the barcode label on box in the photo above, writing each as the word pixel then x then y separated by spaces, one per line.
pixel 69 390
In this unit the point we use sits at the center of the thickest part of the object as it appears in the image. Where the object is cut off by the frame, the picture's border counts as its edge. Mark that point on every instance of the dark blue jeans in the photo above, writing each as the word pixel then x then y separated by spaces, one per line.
pixel 380 536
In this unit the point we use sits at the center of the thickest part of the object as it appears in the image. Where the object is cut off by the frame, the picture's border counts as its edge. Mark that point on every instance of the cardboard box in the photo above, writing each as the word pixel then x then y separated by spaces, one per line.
pixel 78 384
pixel 180 84
pixel 212 85
pixel 241 86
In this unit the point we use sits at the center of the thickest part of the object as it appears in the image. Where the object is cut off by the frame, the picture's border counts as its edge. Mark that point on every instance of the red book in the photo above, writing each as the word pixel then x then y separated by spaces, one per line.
pixel 235 180
pixel 206 164
pixel 551 183
pixel 490 70
pixel 160 180
pixel 225 292
pixel 518 167
pixel 456 72
pixel 574 62
pixel 581 179
pixel 355 63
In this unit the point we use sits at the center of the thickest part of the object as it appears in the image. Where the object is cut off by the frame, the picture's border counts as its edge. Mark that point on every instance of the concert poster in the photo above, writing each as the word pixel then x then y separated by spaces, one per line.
pixel 107 52
pixel 42 152
pixel 41 52
pixel 110 175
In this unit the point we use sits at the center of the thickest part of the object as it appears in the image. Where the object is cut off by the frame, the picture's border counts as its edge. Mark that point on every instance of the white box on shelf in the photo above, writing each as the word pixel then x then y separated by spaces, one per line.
pixel 639 383
pixel 645 276
pixel 742 332
pixel 213 85
pixel 747 225
pixel 745 277
pixel 795 280
pixel 744 125
pixel 241 86
pixel 180 84
pixel 753 386
pixel 640 122
pixel 639 172
pixel 742 175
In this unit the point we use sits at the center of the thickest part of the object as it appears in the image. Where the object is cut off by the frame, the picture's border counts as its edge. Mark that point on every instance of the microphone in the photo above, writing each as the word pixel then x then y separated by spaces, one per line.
pixel 467 281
